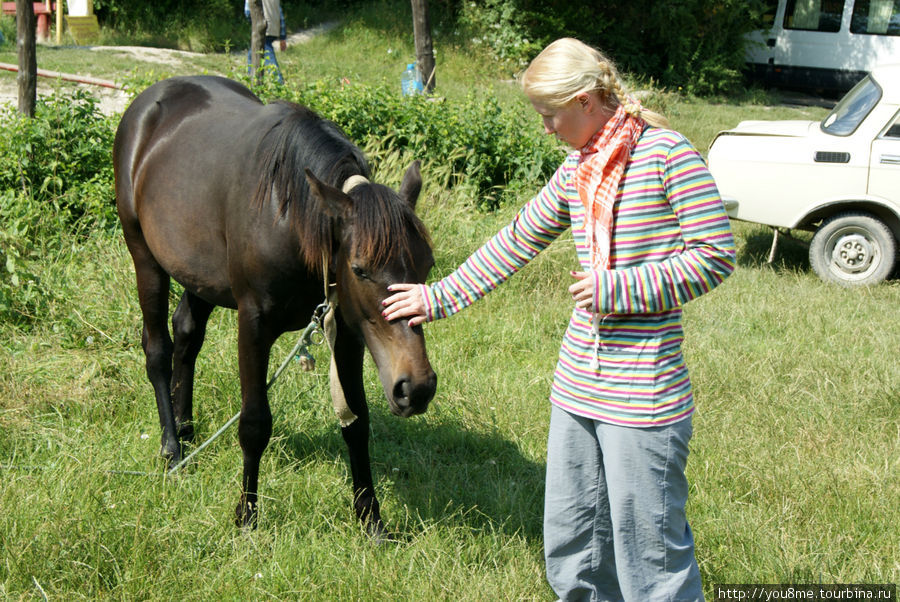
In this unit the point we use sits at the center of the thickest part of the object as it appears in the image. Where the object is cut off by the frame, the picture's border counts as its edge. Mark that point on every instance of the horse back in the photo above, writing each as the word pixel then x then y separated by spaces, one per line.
pixel 182 155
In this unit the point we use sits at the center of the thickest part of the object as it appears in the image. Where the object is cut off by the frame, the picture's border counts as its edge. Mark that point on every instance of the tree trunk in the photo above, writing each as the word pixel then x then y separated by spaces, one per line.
pixel 257 39
pixel 424 50
pixel 25 46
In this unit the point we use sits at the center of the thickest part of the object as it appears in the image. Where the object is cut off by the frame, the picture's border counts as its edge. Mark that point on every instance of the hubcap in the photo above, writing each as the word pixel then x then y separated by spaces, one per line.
pixel 853 252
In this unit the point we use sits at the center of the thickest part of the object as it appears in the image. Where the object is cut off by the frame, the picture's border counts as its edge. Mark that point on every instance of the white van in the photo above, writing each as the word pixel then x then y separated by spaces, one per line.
pixel 824 44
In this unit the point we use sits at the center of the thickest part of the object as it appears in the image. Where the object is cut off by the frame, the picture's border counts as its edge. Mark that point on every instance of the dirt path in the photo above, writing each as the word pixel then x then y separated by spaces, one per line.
pixel 115 101
pixel 111 101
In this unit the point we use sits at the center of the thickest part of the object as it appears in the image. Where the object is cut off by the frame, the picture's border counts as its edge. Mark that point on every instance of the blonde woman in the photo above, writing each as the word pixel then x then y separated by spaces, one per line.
pixel 650 234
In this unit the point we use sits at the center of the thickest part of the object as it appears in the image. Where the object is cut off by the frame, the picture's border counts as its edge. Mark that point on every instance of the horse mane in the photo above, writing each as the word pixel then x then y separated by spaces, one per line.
pixel 302 139
pixel 381 221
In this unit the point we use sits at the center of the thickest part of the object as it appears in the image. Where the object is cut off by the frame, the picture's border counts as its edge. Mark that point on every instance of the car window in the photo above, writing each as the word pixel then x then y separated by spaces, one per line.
pixel 893 130
pixel 853 108
pixel 880 17
pixel 767 17
pixel 813 15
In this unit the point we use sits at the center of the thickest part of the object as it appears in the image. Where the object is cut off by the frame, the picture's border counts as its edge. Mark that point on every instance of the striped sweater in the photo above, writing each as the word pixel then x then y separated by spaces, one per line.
pixel 671 243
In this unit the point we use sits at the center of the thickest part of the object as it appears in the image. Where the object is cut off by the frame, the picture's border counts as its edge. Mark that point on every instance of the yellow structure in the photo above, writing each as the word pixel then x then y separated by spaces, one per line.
pixel 81 20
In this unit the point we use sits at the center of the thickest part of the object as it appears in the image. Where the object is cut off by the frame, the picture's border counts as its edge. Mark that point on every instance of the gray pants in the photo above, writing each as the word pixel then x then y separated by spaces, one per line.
pixel 614 520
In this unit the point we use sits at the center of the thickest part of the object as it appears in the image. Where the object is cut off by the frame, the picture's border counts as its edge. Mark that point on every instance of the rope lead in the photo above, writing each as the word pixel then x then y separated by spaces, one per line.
pixel 300 352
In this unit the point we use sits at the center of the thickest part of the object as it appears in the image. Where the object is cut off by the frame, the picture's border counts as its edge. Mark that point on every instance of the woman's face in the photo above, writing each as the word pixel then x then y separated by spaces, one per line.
pixel 576 122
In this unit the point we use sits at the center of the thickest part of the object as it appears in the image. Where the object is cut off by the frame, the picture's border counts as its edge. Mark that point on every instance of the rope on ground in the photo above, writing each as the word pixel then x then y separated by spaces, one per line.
pixel 300 351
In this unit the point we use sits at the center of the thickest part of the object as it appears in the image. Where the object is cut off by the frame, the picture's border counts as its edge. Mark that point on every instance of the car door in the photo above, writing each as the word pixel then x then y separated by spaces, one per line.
pixel 884 162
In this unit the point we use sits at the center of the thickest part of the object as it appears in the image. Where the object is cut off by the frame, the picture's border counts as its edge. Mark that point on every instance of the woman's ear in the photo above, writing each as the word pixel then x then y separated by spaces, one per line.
pixel 586 102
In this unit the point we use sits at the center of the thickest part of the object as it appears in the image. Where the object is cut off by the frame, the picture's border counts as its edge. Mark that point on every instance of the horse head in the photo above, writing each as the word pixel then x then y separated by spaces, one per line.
pixel 380 241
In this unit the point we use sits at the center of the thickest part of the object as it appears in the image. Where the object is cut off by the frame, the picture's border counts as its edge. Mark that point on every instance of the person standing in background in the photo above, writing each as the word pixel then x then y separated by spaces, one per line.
pixel 275 30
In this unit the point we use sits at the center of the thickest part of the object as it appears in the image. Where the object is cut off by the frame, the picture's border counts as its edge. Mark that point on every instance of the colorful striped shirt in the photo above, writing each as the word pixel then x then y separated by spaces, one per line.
pixel 671 242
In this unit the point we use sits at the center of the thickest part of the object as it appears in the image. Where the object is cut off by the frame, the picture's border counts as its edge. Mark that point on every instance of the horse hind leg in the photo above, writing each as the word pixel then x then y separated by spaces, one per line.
pixel 153 295
pixel 189 328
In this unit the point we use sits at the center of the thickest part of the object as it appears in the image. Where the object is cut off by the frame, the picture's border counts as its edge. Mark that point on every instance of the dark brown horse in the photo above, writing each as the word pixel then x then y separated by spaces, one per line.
pixel 241 203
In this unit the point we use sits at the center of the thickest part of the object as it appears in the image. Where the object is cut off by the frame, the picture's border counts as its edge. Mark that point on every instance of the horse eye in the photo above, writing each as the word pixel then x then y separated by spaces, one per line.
pixel 360 273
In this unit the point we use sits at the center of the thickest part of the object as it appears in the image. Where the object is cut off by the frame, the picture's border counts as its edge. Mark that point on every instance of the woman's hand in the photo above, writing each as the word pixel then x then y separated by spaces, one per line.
pixel 406 302
pixel 583 291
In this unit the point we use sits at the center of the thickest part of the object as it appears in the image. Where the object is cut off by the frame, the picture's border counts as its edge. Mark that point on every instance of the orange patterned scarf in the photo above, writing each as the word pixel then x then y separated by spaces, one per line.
pixel 597 177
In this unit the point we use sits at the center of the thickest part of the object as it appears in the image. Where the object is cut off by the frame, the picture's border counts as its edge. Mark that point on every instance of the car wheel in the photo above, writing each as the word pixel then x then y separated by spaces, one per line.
pixel 853 249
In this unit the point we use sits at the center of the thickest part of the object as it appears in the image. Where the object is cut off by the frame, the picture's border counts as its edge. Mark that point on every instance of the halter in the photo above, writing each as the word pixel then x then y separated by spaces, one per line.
pixel 323 320
pixel 352 182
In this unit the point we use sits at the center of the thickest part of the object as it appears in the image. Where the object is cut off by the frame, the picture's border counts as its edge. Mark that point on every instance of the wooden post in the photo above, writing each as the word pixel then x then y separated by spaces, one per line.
pixel 49 7
pixel 257 39
pixel 26 26
pixel 424 50
pixel 59 21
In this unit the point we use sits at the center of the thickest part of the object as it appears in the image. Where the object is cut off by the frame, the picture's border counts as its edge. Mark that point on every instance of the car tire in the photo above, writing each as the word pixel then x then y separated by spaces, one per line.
pixel 853 249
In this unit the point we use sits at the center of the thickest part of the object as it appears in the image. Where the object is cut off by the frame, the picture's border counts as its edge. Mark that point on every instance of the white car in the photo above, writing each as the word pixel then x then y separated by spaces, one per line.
pixel 838 178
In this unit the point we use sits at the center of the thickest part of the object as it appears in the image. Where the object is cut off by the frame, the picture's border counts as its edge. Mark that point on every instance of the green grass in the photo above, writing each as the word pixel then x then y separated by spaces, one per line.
pixel 794 464
pixel 793 467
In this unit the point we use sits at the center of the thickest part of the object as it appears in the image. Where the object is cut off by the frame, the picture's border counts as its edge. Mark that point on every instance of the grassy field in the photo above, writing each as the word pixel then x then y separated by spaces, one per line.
pixel 794 469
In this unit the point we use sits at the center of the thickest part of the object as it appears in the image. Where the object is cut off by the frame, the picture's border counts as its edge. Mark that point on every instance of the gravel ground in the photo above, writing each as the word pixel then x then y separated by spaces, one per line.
pixel 115 101
pixel 111 100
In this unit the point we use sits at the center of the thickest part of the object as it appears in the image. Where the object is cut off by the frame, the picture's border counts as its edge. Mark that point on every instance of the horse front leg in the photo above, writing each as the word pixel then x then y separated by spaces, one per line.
pixel 255 423
pixel 348 354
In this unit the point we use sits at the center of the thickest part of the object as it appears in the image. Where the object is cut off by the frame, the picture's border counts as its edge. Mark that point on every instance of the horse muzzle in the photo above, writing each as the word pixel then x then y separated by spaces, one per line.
pixel 412 396
pixel 406 376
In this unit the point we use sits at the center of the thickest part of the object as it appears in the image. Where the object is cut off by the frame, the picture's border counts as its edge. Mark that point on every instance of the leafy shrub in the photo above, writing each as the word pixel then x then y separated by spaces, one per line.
pixel 475 144
pixel 7 31
pixel 694 45
pixel 200 25
pixel 59 162
pixel 21 296
pixel 55 177
pixel 501 28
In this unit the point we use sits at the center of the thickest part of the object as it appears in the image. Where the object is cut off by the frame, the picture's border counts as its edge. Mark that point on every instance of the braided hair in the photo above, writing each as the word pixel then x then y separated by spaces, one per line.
pixel 569 67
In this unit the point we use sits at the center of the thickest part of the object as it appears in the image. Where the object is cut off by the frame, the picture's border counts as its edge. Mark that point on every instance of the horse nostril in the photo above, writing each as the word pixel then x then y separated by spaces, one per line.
pixel 401 392
pixel 412 397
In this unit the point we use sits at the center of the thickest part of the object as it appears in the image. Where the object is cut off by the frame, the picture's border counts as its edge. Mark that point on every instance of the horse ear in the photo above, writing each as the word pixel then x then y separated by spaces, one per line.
pixel 412 184
pixel 334 202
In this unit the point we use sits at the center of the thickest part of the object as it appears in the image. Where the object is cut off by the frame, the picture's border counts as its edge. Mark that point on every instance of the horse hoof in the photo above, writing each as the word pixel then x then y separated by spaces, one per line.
pixel 246 516
pixel 379 534
pixel 172 456
pixel 186 432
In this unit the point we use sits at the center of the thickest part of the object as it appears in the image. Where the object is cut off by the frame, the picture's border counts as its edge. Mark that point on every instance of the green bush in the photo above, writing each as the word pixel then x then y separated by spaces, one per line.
pixel 476 144
pixel 501 29
pixel 694 45
pixel 21 296
pixel 202 25
pixel 7 31
pixel 60 161
pixel 56 177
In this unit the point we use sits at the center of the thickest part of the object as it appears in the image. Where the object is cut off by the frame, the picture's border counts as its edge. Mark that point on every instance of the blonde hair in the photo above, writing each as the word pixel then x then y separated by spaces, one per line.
pixel 569 67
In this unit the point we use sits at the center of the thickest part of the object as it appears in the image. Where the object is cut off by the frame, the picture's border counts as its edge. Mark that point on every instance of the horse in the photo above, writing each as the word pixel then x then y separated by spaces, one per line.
pixel 245 204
